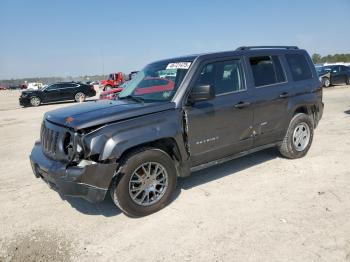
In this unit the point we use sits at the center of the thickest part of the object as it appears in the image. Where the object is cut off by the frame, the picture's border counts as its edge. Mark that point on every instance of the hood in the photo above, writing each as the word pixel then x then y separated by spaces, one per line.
pixel 30 91
pixel 99 112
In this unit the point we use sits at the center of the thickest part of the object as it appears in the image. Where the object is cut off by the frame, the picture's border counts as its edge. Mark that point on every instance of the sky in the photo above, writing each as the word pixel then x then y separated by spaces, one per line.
pixel 86 37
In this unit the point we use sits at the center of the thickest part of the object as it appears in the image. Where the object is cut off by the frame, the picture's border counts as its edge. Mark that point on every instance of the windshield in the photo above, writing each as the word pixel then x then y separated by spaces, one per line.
pixel 156 82
pixel 46 87
pixel 323 69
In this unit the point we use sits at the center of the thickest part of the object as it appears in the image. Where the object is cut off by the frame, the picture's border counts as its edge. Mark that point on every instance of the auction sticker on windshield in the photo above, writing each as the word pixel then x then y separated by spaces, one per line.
pixel 179 65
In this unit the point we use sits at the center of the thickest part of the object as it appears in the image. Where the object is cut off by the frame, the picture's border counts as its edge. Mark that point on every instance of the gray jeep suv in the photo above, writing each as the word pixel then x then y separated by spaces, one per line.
pixel 177 116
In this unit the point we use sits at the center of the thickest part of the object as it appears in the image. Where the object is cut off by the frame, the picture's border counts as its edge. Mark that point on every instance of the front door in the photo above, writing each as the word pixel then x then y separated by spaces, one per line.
pixel 51 93
pixel 337 77
pixel 220 127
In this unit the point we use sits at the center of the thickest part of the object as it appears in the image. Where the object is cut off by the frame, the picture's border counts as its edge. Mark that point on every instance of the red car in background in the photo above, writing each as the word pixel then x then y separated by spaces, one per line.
pixel 147 86
pixel 154 85
pixel 110 94
pixel 114 80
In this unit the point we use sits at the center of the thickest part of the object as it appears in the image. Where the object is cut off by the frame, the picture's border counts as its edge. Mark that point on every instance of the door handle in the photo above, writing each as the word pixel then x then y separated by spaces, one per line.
pixel 284 95
pixel 242 104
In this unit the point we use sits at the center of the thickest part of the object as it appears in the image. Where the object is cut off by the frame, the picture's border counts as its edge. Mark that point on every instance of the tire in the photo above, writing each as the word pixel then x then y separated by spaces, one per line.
pixel 132 182
pixel 347 82
pixel 35 101
pixel 297 142
pixel 80 96
pixel 107 87
pixel 326 82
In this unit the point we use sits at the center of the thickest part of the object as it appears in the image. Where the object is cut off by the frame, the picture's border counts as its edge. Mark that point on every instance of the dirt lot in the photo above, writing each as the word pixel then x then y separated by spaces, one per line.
pixel 258 208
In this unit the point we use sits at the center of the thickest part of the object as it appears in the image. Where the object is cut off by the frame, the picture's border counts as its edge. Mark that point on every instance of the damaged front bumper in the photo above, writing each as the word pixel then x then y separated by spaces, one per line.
pixel 90 182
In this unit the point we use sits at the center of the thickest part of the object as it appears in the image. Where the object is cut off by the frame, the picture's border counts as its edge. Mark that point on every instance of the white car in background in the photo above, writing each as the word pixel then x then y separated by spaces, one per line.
pixel 35 86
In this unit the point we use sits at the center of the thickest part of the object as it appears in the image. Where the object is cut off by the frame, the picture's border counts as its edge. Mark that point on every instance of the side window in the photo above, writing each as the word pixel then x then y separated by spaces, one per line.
pixel 60 86
pixel 225 76
pixel 267 70
pixel 73 85
pixel 335 69
pixel 344 68
pixel 52 87
pixel 299 67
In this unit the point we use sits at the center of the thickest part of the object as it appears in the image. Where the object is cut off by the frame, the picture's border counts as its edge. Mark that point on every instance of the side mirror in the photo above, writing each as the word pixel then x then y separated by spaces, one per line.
pixel 201 93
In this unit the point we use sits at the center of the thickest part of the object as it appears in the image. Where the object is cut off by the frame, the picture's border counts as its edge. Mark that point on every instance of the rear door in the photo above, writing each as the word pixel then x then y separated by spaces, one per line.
pixel 68 91
pixel 222 126
pixel 270 98
pixel 345 72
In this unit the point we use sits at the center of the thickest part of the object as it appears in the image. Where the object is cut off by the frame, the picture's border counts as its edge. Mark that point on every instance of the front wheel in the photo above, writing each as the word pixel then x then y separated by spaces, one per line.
pixel 145 183
pixel 326 82
pixel 347 82
pixel 35 101
pixel 298 138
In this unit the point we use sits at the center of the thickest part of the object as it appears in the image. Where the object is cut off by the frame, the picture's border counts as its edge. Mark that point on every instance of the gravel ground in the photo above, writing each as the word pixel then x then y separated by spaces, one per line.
pixel 257 208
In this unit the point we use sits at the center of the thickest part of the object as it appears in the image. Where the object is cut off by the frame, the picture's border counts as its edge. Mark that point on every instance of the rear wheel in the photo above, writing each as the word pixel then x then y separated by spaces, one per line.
pixel 35 101
pixel 146 182
pixel 79 97
pixel 298 138
pixel 347 80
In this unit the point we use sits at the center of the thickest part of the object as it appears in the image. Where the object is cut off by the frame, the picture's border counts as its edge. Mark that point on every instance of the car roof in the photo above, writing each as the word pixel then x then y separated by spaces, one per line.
pixel 71 82
pixel 250 50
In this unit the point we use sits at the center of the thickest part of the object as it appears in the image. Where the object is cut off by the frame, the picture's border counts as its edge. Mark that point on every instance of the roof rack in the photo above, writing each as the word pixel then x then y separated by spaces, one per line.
pixel 265 47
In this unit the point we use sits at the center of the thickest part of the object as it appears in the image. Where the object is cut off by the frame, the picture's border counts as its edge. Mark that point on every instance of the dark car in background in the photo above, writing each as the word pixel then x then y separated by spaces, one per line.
pixel 57 92
pixel 334 74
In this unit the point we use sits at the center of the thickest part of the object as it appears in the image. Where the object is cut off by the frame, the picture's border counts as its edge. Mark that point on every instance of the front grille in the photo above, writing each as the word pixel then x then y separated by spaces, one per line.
pixel 49 140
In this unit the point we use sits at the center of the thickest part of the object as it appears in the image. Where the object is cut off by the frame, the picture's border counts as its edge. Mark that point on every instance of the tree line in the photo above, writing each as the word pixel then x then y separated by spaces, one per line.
pixel 318 59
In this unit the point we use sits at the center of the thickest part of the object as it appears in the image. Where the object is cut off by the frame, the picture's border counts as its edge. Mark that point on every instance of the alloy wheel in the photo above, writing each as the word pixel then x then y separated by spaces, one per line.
pixel 148 183
pixel 79 97
pixel 35 101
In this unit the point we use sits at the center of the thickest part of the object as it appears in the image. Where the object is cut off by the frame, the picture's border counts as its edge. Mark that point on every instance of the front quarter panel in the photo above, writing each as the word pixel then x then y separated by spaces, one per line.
pixel 112 140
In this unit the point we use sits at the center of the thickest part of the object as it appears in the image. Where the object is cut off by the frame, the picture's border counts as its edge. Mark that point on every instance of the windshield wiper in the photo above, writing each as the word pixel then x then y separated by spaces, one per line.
pixel 134 98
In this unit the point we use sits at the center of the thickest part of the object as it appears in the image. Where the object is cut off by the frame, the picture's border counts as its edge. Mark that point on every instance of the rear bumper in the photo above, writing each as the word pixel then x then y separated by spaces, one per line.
pixel 90 182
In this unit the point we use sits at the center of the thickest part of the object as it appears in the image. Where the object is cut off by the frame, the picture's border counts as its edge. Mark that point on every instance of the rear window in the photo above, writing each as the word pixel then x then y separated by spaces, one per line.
pixel 299 67
pixel 267 70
